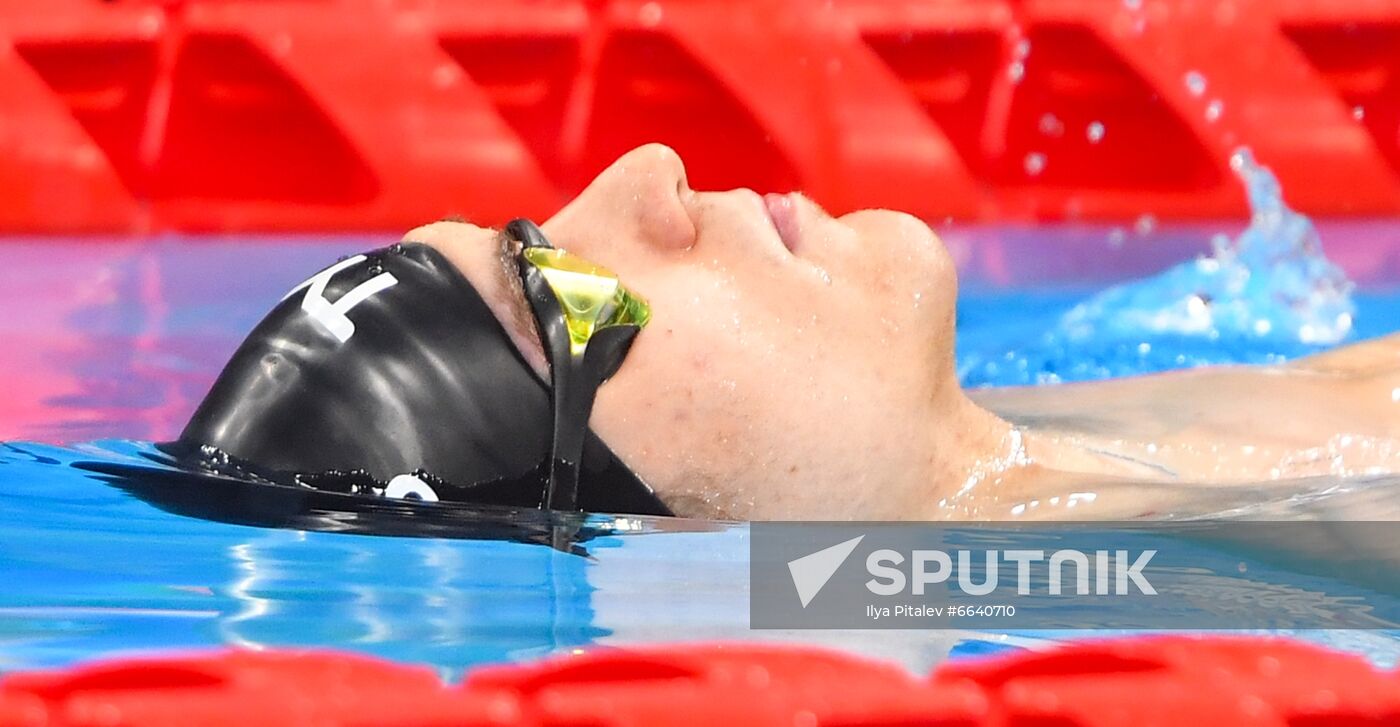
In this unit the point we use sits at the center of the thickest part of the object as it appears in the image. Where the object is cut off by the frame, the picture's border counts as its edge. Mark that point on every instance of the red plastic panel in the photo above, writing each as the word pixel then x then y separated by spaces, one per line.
pixel 149 115
pixel 1114 683
pixel 647 83
pixel 106 86
pixel 1362 63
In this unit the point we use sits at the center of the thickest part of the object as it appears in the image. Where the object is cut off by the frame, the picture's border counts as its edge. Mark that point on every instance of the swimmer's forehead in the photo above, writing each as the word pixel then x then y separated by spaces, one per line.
pixel 487 258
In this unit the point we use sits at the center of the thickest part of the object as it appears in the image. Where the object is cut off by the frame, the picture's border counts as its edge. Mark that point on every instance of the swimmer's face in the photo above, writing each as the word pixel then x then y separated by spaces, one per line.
pixel 795 363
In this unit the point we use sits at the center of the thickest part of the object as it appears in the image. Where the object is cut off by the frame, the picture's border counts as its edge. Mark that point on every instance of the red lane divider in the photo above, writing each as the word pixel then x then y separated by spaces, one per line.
pixel 353 114
pixel 1136 682
pixel 246 688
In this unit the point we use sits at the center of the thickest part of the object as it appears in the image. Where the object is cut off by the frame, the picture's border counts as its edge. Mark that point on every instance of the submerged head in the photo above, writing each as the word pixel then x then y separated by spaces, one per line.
pixel 795 365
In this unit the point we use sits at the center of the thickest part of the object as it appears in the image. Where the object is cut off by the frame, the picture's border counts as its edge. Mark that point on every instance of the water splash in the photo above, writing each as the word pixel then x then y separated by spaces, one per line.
pixel 1271 281
pixel 1195 82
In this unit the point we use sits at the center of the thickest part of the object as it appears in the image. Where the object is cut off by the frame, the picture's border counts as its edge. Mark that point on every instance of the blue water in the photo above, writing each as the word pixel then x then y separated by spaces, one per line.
pixel 117 340
pixel 1012 338
pixel 1266 295
pixel 90 571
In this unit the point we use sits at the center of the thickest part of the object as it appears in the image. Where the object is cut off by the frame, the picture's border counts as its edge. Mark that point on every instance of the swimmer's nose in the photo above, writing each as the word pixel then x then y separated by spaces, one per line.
pixel 663 215
pixel 646 190
pixel 664 162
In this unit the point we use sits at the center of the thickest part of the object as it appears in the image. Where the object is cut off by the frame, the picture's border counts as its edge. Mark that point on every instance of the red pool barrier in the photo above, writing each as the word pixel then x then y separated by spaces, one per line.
pixel 1137 682
pixel 141 115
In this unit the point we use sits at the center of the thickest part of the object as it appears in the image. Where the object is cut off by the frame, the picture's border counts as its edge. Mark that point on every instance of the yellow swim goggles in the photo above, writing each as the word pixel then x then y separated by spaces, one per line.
pixel 587 321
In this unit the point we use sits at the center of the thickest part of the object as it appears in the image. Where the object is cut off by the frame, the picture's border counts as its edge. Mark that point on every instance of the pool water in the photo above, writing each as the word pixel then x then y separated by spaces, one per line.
pixel 109 344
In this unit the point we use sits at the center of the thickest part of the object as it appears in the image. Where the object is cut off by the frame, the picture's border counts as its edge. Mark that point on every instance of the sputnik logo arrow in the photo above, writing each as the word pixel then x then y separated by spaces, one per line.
pixel 811 572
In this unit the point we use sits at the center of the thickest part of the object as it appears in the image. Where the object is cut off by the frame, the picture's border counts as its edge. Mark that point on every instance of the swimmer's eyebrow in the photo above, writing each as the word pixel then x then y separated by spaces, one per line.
pixel 522 321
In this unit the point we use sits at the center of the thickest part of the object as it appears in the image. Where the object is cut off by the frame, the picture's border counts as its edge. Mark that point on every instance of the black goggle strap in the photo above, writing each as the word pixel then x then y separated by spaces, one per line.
pixel 586 321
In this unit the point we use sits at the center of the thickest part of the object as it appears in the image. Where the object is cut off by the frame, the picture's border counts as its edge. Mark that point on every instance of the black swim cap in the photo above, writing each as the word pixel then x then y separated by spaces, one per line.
pixel 387 375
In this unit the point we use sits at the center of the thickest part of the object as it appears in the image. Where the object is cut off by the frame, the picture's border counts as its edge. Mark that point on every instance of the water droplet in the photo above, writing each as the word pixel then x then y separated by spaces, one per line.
pixel 1214 109
pixel 1133 5
pixel 1220 245
pixel 1195 82
pixel 1035 163
pixel 1144 348
pixel 281 44
pixel 1095 132
pixel 1023 48
pixel 1197 307
pixel 1077 497
pixel 445 75
pixel 1016 71
pixel 1050 125
pixel 650 14
pixel 1145 224
pixel 1263 326
pixel 1358 112
pixel 87 157
pixel 151 23
pixel 1116 236
pixel 1240 159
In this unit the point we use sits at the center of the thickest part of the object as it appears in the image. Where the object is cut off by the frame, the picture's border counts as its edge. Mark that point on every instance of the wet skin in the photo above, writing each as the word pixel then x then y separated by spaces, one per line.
pixel 800 366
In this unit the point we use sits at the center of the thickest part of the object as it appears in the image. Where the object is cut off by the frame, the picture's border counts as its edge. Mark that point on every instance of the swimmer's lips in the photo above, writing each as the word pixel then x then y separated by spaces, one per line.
pixel 211 496
pixel 783 213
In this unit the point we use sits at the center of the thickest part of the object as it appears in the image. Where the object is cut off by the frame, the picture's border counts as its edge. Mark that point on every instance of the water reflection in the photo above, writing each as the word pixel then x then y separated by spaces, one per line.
pixel 90 570
pixel 446 603
pixel 121 337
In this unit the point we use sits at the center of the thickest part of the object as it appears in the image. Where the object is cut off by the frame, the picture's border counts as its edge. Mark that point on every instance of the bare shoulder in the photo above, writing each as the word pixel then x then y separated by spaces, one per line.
pixel 1378 357
pixel 1228 422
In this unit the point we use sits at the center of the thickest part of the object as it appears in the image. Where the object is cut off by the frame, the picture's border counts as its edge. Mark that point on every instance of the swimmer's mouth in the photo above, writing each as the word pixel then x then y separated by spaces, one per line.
pixel 783 213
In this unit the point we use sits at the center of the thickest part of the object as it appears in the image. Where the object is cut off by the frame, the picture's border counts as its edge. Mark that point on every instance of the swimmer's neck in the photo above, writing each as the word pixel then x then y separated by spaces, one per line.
pixel 993 462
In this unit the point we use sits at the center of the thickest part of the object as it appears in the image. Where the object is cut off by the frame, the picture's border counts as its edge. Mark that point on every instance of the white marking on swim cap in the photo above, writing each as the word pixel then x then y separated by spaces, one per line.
pixel 404 485
pixel 332 316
